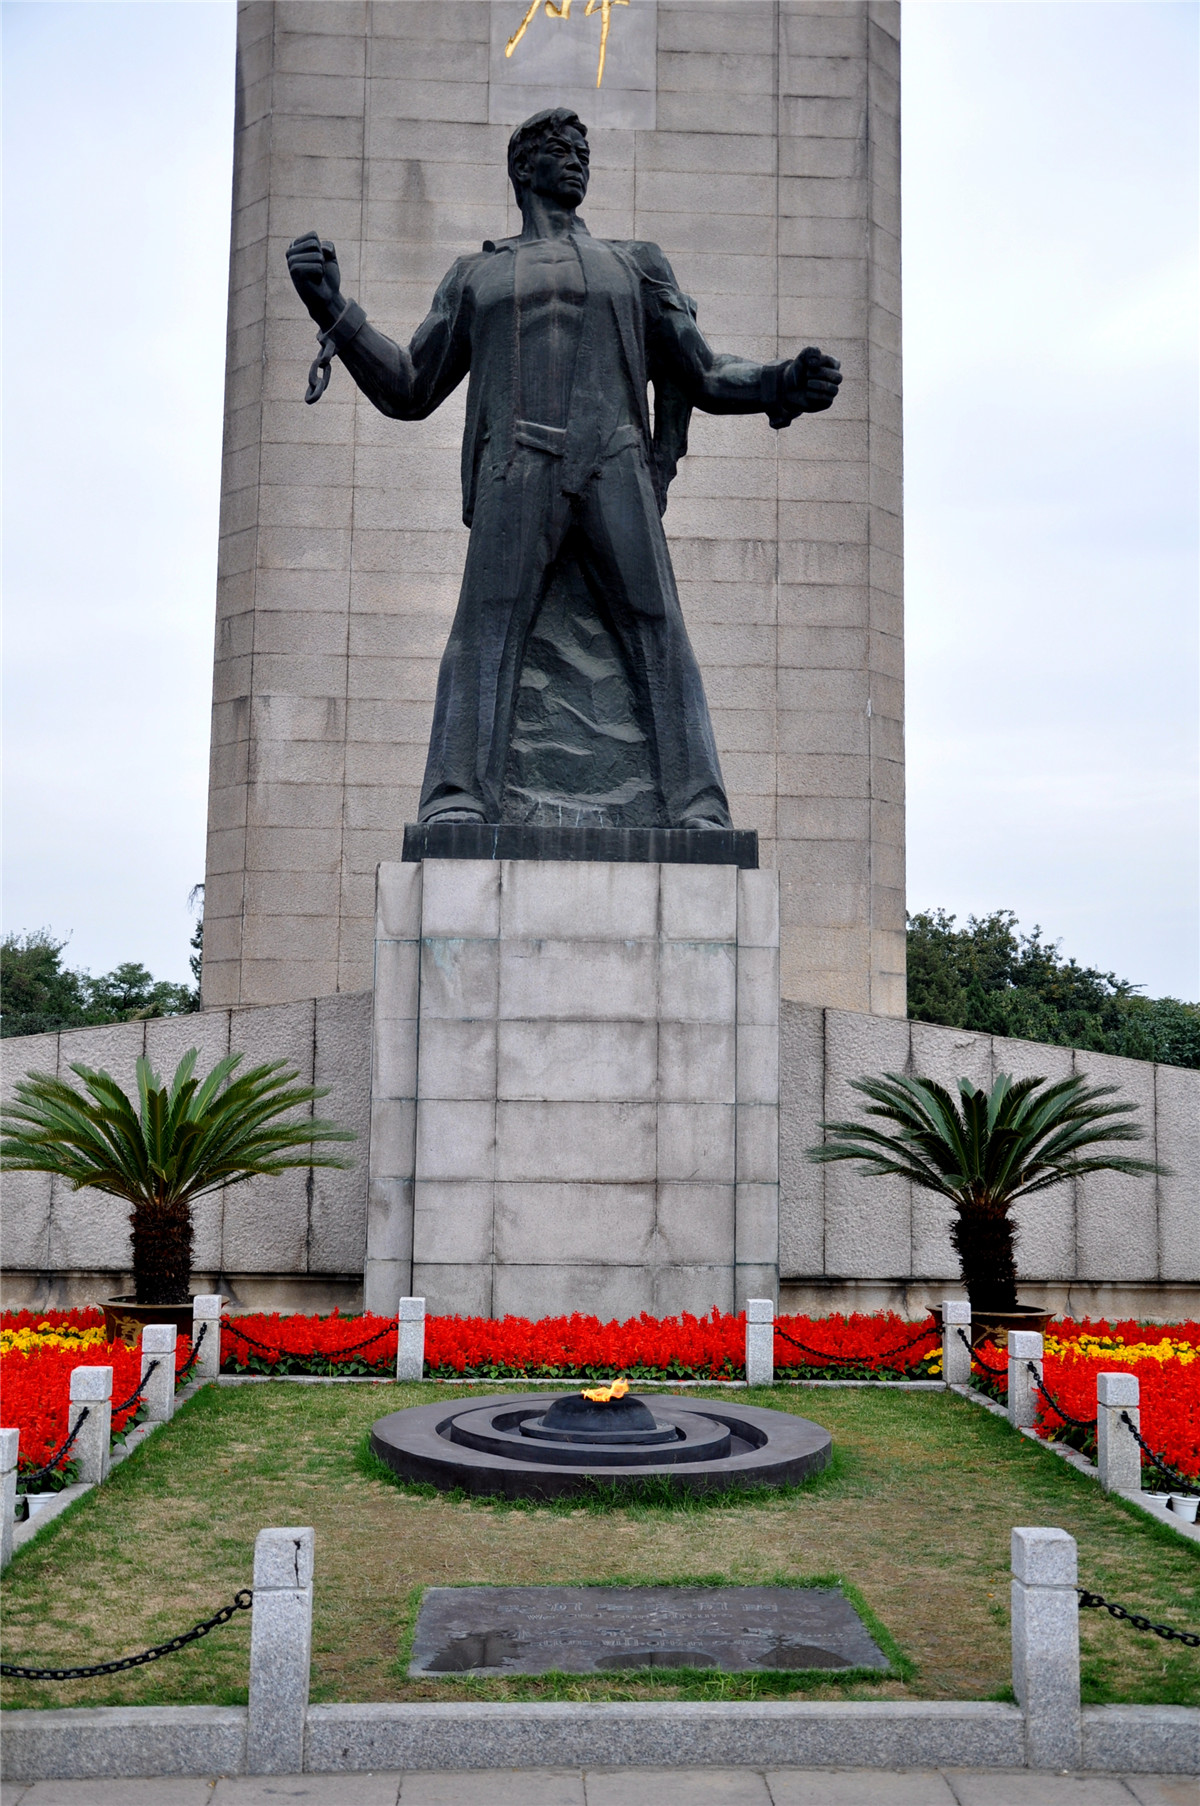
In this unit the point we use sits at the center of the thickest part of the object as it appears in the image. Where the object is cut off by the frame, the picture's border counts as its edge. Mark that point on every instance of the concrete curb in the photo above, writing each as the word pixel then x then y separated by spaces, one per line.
pixel 1137 1739
pixel 119 1741
pixel 93 1743
pixel 873 1734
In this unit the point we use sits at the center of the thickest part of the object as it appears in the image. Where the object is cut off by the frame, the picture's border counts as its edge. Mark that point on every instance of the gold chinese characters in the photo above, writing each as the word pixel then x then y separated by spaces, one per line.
pixel 563 11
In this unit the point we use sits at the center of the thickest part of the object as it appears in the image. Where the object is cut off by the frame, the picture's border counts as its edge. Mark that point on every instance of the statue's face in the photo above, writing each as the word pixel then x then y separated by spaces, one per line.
pixel 557 167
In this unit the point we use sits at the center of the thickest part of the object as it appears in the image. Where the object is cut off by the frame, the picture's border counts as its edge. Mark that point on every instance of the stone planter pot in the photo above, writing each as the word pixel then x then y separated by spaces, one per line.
pixel 993 1326
pixel 124 1319
pixel 28 1504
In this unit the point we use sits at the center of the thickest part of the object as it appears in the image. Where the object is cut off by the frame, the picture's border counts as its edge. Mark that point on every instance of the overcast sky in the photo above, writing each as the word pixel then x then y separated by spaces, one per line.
pixel 1050 375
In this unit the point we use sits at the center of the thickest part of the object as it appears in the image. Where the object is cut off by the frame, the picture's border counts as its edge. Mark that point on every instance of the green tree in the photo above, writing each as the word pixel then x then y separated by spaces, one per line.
pixel 991 978
pixel 36 992
pixel 39 994
pixel 196 957
pixel 179 1142
pixel 1001 1146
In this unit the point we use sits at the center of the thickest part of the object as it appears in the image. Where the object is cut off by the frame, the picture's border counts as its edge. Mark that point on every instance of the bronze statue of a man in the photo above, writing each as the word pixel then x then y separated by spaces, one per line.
pixel 561 333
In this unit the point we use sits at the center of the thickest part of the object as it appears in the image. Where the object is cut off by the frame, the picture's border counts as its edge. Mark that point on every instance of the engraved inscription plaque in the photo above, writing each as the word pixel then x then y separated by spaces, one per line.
pixel 579 1630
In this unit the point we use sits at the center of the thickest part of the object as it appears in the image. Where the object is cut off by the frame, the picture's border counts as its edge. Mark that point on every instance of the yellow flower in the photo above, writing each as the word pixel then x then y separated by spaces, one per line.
pixel 1108 1348
pixel 46 1335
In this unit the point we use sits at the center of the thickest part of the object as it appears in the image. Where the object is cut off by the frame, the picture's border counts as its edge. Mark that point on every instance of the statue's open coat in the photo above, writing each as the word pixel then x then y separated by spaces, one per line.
pixel 606 485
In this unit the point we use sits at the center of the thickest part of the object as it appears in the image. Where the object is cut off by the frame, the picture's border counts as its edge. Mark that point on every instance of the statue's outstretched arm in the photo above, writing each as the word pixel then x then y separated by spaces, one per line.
pixel 720 383
pixel 404 382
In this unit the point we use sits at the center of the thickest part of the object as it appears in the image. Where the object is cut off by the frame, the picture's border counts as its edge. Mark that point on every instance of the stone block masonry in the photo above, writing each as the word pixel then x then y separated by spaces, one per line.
pixel 758 142
pixel 1104 1245
pixel 846 1243
pixel 575 1088
pixel 295 1242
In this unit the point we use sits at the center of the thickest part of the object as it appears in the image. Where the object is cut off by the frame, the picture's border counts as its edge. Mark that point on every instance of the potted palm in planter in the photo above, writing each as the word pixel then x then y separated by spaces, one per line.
pixel 1000 1146
pixel 176 1143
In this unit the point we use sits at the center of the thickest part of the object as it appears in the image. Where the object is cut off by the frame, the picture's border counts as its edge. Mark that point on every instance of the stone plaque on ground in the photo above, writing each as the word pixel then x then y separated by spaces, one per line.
pixel 577 1630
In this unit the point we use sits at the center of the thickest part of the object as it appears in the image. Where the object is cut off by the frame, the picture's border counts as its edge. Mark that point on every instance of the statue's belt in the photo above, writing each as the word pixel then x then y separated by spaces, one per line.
pixel 553 439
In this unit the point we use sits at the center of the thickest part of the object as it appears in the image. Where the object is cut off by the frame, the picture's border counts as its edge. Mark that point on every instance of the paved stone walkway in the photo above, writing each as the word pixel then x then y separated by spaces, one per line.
pixel 630 1787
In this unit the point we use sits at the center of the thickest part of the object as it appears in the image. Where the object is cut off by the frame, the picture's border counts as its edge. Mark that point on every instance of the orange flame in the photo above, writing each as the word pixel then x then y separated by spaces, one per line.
pixel 603 1395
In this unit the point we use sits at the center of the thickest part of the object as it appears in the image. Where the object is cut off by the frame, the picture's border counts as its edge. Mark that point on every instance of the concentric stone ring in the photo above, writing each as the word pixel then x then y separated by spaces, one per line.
pixel 508 1447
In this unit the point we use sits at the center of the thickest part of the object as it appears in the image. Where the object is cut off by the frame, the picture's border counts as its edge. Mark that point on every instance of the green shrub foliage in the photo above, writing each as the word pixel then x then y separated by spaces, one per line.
pixel 990 977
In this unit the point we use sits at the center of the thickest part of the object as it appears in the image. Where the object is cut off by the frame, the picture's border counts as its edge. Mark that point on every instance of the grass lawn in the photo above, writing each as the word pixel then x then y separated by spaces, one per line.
pixel 914 1514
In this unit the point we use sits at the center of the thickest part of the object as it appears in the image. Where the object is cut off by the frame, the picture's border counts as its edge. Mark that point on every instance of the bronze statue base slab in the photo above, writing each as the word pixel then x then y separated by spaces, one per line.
pixel 528 840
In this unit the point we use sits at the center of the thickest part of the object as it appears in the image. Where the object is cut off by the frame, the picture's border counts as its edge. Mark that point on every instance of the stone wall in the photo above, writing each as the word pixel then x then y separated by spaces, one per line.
pixel 296 1242
pixel 1106 1245
pixel 758 142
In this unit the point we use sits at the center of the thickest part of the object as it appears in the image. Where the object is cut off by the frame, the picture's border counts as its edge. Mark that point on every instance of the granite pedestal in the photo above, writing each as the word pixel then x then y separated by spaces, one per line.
pixel 575 1087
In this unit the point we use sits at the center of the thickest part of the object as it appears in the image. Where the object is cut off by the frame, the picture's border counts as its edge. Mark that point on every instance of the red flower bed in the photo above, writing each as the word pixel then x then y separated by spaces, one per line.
pixel 578 1347
pixel 258 1343
pixel 36 1389
pixel 89 1317
pixel 1169 1395
pixel 879 1346
pixel 1165 1358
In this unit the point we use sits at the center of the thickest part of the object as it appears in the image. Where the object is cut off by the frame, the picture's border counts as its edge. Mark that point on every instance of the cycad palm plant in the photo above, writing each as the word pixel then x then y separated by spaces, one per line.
pixel 181 1141
pixel 1001 1146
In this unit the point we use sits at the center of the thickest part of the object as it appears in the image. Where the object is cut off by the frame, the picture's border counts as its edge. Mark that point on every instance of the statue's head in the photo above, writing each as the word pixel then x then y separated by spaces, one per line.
pixel 549 155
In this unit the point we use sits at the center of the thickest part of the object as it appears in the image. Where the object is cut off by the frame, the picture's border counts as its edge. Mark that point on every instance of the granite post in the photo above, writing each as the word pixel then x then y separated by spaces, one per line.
pixel 956 1354
pixel 1024 1351
pixel 280 1651
pixel 91 1391
pixel 410 1340
pixel 1117 1453
pixel 760 1342
pixel 158 1371
pixel 1045 1645
pixel 206 1317
pixel 10 1442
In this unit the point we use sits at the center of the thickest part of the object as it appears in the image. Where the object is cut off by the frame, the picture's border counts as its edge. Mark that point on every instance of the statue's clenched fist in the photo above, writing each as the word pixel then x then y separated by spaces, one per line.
pixel 313 264
pixel 811 381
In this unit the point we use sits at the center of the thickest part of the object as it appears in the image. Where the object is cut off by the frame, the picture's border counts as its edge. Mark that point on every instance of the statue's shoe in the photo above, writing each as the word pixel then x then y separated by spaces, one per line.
pixel 705 821
pixel 454 815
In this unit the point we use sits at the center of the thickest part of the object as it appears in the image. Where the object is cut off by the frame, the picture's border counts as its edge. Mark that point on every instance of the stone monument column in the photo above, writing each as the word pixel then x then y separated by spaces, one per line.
pixel 759 144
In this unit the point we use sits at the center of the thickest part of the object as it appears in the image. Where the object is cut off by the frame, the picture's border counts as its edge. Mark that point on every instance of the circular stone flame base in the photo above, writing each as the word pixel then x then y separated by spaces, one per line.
pixel 618 1422
pixel 519 1448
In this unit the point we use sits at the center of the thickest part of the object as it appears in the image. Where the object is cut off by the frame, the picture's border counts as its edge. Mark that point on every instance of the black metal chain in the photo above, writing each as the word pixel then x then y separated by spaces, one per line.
pixel 978 1358
pixel 134 1396
pixel 854 1360
pixel 241 1603
pixel 330 1354
pixel 1189 1638
pixel 1077 1423
pixel 41 1472
pixel 193 1357
pixel 1178 1481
